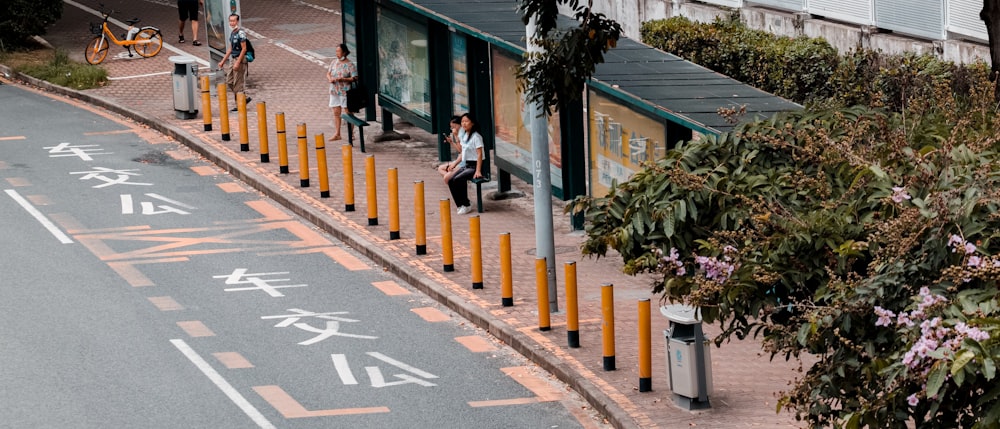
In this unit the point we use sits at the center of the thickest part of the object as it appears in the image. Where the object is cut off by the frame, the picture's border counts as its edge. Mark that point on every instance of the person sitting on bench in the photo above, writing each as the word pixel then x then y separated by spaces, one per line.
pixel 467 166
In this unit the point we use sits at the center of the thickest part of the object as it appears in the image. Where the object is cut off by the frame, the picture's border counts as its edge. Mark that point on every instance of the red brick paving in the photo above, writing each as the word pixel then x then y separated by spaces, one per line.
pixel 746 382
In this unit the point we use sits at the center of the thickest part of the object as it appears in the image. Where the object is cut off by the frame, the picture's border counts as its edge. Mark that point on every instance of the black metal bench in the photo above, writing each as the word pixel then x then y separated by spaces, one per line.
pixel 354 121
pixel 479 189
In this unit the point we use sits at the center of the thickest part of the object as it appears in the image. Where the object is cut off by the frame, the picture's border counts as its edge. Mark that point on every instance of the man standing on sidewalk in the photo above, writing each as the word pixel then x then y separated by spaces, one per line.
pixel 236 74
pixel 188 10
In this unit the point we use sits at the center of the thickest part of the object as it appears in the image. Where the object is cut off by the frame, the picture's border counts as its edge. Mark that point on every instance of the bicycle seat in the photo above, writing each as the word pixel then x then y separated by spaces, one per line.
pixel 133 21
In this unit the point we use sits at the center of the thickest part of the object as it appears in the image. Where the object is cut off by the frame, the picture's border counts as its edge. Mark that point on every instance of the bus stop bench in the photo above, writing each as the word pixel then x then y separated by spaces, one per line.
pixel 354 121
pixel 479 190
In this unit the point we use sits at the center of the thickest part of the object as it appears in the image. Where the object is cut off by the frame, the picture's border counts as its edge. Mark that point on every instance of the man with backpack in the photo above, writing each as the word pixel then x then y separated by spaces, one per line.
pixel 239 48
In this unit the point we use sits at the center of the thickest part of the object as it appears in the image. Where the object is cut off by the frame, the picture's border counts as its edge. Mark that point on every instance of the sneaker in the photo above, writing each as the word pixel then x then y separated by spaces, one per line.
pixel 180 39
pixel 195 43
pixel 464 210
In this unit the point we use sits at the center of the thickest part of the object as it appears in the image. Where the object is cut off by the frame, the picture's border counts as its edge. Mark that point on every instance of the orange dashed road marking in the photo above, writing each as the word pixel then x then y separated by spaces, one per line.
pixel 233 360
pixel 39 200
pixel 109 133
pixel 231 187
pixel 543 391
pixel 431 314
pixel 165 303
pixel 132 275
pixel 476 344
pixel 180 155
pixel 346 259
pixel 196 329
pixel 390 288
pixel 292 409
pixel 18 182
pixel 8 138
pixel 206 170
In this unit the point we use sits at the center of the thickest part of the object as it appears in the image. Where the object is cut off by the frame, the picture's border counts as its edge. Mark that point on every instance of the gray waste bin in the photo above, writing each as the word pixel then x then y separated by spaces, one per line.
pixel 689 358
pixel 185 87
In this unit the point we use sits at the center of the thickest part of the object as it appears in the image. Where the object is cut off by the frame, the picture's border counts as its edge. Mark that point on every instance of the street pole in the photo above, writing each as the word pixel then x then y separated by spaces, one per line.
pixel 541 175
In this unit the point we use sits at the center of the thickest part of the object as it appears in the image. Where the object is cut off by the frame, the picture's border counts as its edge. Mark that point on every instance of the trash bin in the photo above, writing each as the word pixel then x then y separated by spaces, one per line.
pixel 689 358
pixel 185 87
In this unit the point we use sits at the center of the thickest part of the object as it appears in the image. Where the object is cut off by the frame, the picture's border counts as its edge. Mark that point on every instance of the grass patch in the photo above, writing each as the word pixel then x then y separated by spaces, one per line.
pixel 55 66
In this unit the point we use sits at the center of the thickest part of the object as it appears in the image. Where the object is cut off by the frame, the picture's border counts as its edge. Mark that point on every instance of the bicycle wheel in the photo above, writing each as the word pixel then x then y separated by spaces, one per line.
pixel 97 50
pixel 148 42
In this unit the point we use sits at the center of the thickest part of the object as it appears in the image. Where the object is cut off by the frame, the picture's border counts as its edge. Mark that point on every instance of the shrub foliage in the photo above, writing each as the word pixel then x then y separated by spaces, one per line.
pixel 20 19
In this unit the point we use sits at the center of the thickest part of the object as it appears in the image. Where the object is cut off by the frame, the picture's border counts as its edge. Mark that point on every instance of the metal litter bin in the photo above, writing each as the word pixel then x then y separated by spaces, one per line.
pixel 185 87
pixel 689 358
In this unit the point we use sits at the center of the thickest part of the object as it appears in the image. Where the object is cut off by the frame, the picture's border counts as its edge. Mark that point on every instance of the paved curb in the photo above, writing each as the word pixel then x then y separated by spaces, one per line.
pixel 520 342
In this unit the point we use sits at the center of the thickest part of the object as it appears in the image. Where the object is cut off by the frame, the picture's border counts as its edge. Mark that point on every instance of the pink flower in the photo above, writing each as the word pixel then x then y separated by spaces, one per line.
pixel 912 400
pixel 884 316
pixel 899 194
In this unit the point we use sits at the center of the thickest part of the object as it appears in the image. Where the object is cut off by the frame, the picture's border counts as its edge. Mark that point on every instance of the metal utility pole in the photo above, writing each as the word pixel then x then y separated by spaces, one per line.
pixel 542 179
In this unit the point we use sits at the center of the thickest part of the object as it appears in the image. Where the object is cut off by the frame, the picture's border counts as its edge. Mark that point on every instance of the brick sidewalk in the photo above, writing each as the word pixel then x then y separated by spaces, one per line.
pixel 746 383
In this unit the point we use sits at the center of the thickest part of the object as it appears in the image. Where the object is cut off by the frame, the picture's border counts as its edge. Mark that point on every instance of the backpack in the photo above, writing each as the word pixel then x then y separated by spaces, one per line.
pixel 250 53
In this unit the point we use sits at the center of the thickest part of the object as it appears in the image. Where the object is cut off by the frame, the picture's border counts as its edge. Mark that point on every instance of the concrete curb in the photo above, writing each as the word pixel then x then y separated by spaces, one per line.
pixel 596 397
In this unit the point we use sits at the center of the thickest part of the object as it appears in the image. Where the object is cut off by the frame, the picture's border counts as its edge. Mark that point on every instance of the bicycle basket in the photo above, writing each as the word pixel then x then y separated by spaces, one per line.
pixel 95 28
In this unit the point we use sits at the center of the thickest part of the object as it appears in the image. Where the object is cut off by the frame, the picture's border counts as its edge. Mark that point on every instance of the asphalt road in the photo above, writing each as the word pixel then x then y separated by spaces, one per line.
pixel 141 287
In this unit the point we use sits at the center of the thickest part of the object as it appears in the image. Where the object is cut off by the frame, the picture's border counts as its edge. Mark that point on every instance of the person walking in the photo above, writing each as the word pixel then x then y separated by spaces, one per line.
pixel 188 10
pixel 468 165
pixel 341 73
pixel 236 74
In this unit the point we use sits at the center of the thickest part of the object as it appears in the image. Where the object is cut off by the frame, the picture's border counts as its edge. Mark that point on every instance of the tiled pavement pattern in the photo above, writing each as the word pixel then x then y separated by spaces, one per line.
pixel 285 34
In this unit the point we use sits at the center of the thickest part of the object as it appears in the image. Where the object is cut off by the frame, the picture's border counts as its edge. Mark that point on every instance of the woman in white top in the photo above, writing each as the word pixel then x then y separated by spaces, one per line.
pixel 455 140
pixel 468 165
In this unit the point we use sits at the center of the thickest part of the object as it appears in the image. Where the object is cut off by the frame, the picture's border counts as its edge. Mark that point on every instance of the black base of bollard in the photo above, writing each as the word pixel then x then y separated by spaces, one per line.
pixel 349 207
pixel 303 183
pixel 225 137
pixel 422 249
pixel 609 363
pixel 394 235
pixel 448 268
pixel 372 221
pixel 208 127
pixel 545 328
pixel 477 285
pixel 265 157
pixel 645 384
pixel 573 338
pixel 244 147
pixel 324 194
pixel 507 302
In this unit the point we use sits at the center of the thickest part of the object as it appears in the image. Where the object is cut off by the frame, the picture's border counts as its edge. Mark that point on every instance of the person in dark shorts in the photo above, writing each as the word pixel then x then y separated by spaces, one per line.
pixel 188 10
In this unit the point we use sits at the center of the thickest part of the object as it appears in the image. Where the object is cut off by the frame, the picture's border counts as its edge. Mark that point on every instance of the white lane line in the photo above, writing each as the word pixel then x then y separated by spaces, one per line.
pixel 63 238
pixel 317 7
pixel 138 76
pixel 222 384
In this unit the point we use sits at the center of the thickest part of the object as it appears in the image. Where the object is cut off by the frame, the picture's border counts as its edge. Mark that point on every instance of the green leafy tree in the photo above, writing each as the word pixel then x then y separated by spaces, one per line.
pixel 571 53
pixel 864 237
pixel 21 19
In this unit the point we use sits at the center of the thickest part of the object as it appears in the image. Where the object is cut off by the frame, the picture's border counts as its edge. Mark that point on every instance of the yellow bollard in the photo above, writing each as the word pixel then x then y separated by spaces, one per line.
pixel 447 253
pixel 420 218
pixel 608 325
pixel 324 179
pixel 645 348
pixel 476 242
pixel 393 204
pixel 542 289
pixel 223 111
pixel 572 306
pixel 265 155
pixel 303 156
pixel 279 126
pixel 506 281
pixel 206 102
pixel 348 158
pixel 371 190
pixel 241 107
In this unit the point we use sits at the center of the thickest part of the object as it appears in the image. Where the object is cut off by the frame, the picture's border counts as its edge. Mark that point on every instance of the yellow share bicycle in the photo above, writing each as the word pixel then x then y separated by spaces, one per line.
pixel 147 41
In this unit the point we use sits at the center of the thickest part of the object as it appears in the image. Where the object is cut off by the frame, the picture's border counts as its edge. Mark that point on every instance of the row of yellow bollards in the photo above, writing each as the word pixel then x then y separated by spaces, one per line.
pixel 447 250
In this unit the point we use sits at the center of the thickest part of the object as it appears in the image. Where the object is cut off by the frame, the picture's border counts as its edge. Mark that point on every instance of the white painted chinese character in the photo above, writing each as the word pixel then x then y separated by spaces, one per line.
pixel 149 209
pixel 81 151
pixel 240 276
pixel 121 179
pixel 375 374
pixel 332 325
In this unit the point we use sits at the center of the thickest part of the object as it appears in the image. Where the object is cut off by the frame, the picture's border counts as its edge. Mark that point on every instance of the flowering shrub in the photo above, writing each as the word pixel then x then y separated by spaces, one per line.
pixel 864 237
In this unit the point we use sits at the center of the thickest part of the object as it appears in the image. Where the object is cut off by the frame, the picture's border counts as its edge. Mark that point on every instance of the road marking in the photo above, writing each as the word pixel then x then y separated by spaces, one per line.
pixel 62 237
pixel 206 170
pixel 39 200
pixel 135 278
pixel 390 288
pixel 165 303
pixel 3 139
pixel 476 344
pixel 431 314
pixel 108 133
pixel 139 76
pixel 196 329
pixel 18 182
pixel 292 409
pixel 231 187
pixel 544 392
pixel 222 384
pixel 343 369
pixel 232 360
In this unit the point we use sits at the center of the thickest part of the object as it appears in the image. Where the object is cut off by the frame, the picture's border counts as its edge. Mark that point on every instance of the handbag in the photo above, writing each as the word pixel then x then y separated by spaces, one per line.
pixel 357 97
